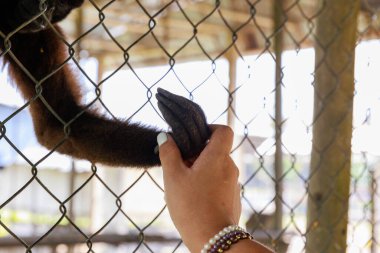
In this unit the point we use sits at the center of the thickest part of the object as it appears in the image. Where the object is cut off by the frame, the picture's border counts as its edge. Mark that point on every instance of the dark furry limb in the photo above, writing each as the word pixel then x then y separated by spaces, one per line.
pixel 187 120
pixel 77 131
pixel 91 136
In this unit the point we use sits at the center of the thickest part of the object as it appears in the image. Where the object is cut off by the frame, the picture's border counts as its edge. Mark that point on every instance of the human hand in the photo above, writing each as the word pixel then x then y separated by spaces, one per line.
pixel 203 197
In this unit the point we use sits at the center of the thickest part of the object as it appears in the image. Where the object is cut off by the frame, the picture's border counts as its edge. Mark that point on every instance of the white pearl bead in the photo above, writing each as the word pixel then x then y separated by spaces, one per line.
pixel 219 235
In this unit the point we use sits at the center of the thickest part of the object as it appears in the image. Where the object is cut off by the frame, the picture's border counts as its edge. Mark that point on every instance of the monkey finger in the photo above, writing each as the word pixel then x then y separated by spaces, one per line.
pixel 183 132
pixel 179 135
pixel 187 121
pixel 180 112
pixel 192 109
pixel 200 120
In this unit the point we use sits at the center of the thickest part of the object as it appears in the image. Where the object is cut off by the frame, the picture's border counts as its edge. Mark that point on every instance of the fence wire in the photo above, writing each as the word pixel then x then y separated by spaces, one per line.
pixel 255 65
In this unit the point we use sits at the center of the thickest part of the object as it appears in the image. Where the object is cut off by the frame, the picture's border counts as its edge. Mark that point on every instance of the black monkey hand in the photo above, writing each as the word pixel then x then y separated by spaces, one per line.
pixel 55 11
pixel 187 121
pixel 26 10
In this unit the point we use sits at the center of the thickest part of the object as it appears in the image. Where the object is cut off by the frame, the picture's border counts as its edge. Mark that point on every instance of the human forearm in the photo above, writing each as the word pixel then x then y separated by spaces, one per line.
pixel 203 196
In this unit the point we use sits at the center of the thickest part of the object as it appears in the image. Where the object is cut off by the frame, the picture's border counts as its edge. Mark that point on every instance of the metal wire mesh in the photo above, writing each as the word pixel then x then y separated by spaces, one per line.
pixel 249 64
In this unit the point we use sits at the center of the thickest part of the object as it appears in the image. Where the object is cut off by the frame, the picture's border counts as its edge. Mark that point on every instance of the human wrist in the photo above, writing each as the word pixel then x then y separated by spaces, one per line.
pixel 195 239
pixel 249 246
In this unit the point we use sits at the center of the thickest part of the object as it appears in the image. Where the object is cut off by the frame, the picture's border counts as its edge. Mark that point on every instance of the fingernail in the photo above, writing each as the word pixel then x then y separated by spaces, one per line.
pixel 162 138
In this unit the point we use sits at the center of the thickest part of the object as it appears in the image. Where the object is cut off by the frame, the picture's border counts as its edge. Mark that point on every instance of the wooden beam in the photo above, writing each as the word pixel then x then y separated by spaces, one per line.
pixel 71 238
pixel 232 58
pixel 264 21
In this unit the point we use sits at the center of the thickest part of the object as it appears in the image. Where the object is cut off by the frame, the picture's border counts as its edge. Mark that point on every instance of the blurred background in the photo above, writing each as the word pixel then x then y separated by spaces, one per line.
pixel 297 80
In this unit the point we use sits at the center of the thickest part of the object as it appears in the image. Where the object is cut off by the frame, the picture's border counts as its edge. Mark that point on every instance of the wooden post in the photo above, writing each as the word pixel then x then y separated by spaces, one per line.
pixel 327 214
pixel 231 57
pixel 232 65
pixel 73 172
pixel 278 157
pixel 78 30
pixel 96 190
pixel 100 71
pixel 373 188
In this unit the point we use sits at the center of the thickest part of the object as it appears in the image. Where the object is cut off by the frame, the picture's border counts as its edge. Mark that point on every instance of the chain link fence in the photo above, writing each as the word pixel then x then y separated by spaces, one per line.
pixel 283 74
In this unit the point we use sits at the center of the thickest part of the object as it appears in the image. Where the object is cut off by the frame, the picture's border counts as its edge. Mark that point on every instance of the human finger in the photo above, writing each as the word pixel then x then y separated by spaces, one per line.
pixel 169 153
pixel 221 140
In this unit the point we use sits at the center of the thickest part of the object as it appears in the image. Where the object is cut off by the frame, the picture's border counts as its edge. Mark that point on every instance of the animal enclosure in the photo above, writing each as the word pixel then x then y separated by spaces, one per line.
pixel 297 80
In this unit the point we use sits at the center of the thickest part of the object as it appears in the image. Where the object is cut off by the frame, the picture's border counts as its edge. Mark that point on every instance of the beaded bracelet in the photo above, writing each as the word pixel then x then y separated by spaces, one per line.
pixel 223 240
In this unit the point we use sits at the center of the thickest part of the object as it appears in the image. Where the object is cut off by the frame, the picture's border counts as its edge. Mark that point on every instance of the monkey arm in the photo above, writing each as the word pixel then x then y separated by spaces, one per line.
pixel 82 133
pixel 67 126
pixel 60 122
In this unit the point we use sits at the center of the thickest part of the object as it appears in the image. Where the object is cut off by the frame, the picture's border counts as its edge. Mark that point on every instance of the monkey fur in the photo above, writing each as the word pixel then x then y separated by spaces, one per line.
pixel 74 129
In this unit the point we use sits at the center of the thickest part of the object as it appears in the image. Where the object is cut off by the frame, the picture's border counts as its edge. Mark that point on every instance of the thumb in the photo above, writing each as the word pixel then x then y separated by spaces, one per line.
pixel 170 156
